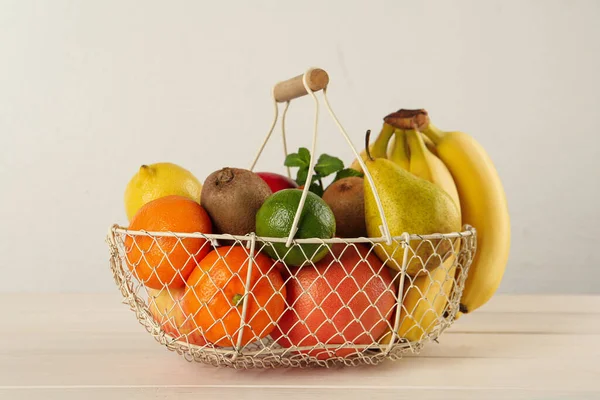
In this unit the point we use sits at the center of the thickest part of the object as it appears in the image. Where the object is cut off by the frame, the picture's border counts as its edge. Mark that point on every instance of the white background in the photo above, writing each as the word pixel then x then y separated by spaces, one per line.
pixel 91 90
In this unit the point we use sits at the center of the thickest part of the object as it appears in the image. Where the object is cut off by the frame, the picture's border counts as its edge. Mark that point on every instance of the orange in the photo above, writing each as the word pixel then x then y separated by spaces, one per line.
pixel 216 291
pixel 348 299
pixel 165 307
pixel 167 261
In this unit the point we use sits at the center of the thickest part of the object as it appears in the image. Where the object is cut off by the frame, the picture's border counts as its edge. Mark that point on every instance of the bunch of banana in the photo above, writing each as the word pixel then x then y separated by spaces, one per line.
pixel 457 163
pixel 483 206
pixel 425 297
pixel 468 174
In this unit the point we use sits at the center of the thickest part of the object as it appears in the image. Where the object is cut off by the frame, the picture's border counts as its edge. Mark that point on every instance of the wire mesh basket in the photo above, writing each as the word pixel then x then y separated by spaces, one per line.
pixel 242 304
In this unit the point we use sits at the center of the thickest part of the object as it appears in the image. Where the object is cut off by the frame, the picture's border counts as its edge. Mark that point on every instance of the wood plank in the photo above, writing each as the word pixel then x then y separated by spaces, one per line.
pixel 291 393
pixel 542 304
pixel 456 345
pixel 530 323
pixel 159 368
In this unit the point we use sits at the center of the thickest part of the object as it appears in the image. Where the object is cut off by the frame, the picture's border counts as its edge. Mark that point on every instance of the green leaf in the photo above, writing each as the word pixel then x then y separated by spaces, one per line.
pixel 304 155
pixel 295 160
pixel 348 172
pixel 317 189
pixel 301 176
pixel 327 165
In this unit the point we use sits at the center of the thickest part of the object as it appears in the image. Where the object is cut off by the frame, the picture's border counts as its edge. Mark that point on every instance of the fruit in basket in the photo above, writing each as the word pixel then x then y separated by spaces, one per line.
pixel 277 182
pixel 411 205
pixel 400 154
pixel 232 196
pixel 166 309
pixel 275 219
pixel 427 166
pixel 216 292
pixel 159 261
pixel 348 299
pixel 483 205
pixel 378 149
pixel 424 301
pixel 159 180
pixel 414 156
pixel 346 199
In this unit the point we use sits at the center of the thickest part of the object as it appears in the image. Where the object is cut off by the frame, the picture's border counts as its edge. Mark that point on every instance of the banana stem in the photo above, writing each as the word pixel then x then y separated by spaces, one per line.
pixel 434 133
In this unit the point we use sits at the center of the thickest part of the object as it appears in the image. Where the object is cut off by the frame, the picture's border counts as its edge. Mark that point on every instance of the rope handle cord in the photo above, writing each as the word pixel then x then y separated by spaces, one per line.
pixel 314 79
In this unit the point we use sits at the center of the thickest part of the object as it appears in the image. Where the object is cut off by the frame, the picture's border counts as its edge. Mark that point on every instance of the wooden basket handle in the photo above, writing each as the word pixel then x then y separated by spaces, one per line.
pixel 316 78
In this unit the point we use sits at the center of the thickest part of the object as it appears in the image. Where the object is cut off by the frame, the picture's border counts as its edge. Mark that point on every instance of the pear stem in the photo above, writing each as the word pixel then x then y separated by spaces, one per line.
pixel 367 140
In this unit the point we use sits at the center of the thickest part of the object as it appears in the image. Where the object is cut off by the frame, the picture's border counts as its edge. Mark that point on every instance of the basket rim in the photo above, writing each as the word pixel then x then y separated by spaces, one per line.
pixel 467 232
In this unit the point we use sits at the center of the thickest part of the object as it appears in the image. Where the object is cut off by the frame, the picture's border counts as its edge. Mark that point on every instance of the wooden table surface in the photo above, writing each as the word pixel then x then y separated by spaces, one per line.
pixel 90 346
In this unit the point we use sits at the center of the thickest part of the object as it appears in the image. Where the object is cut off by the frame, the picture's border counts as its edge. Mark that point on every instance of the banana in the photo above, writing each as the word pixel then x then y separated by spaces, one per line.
pixel 483 205
pixel 427 166
pixel 399 153
pixel 426 296
pixel 430 145
pixel 425 301
pixel 379 147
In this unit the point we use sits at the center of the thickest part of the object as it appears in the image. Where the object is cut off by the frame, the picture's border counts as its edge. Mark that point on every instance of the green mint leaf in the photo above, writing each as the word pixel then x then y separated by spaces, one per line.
pixel 348 172
pixel 304 155
pixel 295 160
pixel 327 165
pixel 302 176
pixel 316 189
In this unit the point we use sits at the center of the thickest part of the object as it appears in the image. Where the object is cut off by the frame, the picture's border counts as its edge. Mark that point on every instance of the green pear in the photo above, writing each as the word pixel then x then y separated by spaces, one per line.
pixel 412 205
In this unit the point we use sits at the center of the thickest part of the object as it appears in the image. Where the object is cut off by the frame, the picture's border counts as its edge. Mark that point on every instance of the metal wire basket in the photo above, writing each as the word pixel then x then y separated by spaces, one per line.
pixel 353 304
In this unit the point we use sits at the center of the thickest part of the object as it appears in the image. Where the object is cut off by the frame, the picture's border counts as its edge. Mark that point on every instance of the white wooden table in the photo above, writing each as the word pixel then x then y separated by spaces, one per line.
pixel 72 346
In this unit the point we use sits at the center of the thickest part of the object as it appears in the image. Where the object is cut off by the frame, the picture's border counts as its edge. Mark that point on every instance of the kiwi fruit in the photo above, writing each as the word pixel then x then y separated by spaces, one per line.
pixel 232 196
pixel 346 199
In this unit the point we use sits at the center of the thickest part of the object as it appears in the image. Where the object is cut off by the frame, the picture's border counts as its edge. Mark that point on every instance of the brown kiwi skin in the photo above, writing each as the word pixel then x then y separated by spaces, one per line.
pixel 346 199
pixel 232 196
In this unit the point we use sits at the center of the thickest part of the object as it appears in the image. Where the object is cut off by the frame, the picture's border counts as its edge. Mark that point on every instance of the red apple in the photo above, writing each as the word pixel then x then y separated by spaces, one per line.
pixel 277 182
pixel 166 309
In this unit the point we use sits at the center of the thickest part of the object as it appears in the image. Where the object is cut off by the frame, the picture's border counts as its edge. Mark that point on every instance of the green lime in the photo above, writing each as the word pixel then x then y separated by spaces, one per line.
pixel 275 218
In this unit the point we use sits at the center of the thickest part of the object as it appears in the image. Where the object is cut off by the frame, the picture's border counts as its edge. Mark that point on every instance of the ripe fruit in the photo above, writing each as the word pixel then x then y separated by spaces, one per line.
pixel 232 196
pixel 412 154
pixel 337 302
pixel 378 149
pixel 277 182
pixel 215 293
pixel 275 219
pixel 483 204
pixel 411 205
pixel 424 301
pixel 167 261
pixel 159 180
pixel 166 309
pixel 346 199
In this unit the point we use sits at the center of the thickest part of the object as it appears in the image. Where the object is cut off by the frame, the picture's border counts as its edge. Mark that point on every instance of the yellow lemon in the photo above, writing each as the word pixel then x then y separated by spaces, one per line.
pixel 159 180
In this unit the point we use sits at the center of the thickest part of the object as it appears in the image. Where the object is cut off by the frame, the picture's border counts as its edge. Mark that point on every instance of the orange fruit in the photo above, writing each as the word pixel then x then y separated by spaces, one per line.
pixel 215 294
pixel 346 299
pixel 167 261
pixel 166 309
